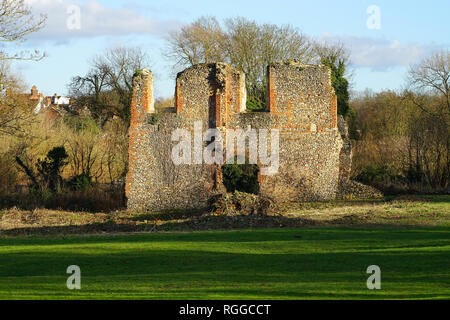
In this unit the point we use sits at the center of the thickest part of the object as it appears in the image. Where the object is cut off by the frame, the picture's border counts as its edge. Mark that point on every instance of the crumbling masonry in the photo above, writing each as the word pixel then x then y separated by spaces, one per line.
pixel 302 105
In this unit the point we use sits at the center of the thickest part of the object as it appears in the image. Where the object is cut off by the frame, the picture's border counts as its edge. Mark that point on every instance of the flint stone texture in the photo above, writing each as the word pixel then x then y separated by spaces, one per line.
pixel 302 105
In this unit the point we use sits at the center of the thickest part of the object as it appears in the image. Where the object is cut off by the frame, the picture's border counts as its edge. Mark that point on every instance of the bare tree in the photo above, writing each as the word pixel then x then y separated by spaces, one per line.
pixel 15 110
pixel 200 42
pixel 115 146
pixel 408 133
pixel 107 88
pixel 251 47
pixel 17 22
pixel 119 65
pixel 243 43
pixel 432 76
pixel 85 154
pixel 429 91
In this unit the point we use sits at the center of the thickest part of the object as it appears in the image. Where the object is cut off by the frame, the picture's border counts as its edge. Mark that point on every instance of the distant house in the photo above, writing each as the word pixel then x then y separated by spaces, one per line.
pixel 35 95
pixel 52 107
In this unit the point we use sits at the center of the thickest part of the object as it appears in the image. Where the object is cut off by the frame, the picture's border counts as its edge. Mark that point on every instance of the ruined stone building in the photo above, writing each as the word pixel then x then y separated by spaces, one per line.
pixel 302 105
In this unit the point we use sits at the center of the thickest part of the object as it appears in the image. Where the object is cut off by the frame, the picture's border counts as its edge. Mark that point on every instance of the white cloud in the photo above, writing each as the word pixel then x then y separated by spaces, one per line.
pixel 95 20
pixel 380 54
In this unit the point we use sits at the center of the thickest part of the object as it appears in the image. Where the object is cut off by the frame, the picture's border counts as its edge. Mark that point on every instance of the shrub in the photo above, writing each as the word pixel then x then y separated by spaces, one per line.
pixel 254 104
pixel 80 182
pixel 241 177
pixel 374 174
pixel 383 179
pixel 153 119
pixel 240 203
pixel 81 123
pixel 50 167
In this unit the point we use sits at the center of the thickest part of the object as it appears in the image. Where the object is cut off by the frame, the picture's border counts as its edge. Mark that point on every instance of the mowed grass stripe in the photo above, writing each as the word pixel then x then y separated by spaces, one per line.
pixel 310 263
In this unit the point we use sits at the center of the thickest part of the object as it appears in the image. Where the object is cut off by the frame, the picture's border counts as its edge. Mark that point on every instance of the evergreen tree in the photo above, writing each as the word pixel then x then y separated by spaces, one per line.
pixel 339 82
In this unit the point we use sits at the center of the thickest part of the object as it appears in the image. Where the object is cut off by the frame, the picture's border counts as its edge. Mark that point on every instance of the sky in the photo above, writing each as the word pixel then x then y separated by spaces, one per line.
pixel 384 37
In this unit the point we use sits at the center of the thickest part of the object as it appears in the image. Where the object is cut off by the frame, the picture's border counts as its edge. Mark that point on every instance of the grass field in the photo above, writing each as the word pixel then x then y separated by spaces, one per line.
pixel 317 250
pixel 303 263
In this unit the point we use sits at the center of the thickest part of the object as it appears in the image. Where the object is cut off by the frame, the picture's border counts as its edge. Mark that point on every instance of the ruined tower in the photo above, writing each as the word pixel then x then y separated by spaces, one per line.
pixel 302 106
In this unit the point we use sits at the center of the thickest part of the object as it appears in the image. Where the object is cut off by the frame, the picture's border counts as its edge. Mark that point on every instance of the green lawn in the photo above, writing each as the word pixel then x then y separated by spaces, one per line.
pixel 304 263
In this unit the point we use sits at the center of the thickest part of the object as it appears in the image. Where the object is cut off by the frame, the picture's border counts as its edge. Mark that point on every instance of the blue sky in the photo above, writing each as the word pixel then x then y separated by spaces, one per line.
pixel 408 31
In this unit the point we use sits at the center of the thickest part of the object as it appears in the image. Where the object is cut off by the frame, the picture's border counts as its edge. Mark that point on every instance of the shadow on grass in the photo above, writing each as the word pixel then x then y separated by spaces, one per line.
pixel 268 263
pixel 168 215
pixel 437 198
pixel 196 223
pixel 152 223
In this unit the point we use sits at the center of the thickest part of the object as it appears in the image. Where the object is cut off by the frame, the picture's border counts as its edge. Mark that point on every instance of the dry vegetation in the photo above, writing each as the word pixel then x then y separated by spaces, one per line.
pixel 399 211
pixel 401 140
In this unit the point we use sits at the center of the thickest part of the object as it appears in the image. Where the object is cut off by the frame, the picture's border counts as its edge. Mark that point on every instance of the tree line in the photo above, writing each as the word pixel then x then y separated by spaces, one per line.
pixel 400 139
pixel 404 137
pixel 251 47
